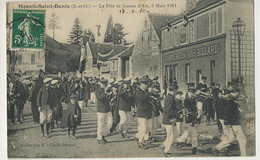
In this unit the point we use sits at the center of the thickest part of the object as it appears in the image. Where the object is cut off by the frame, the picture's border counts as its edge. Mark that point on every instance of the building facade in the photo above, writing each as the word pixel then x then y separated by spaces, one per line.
pixel 206 46
pixel 29 63
pixel 98 55
pixel 146 56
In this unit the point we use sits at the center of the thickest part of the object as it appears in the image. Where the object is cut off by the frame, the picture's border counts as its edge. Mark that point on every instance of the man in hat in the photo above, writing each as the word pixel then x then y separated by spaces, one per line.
pixel 125 102
pixel 33 99
pixel 144 112
pixel 155 101
pixel 169 113
pixel 191 119
pixel 54 102
pixel 19 92
pixel 201 93
pixel 202 86
pixel 233 122
pixel 103 112
pixel 43 103
pixel 135 83
pixel 179 108
pixel 114 107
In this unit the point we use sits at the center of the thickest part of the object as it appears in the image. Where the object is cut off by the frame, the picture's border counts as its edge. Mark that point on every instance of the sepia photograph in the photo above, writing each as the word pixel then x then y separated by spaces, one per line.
pixel 130 79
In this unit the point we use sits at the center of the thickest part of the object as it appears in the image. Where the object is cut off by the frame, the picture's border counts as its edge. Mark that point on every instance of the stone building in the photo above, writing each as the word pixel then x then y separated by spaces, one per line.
pixel 146 56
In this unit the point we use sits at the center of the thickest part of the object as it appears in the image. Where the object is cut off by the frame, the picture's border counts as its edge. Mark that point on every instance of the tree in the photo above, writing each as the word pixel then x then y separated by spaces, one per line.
pixel 54 22
pixel 109 30
pixel 88 36
pixel 76 33
pixel 119 34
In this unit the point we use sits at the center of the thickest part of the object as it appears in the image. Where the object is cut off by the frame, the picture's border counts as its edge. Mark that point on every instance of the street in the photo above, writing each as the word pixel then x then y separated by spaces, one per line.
pixel 24 141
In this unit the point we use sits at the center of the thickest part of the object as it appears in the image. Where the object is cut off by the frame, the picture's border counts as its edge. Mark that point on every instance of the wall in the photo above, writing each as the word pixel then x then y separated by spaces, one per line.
pixel 199 62
pixel 25 64
pixel 144 61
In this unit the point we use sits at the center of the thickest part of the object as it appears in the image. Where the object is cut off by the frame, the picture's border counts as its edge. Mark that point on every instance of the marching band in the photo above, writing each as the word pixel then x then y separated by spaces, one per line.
pixel 118 100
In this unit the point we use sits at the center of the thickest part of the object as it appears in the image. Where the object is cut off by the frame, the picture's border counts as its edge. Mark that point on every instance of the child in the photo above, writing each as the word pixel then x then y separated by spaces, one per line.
pixel 72 117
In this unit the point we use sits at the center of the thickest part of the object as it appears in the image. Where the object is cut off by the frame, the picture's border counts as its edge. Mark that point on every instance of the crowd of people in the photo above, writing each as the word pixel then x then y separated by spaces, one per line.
pixel 118 99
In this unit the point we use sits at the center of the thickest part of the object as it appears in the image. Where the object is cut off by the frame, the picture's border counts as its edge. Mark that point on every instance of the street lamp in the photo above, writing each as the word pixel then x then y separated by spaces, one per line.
pixel 239 27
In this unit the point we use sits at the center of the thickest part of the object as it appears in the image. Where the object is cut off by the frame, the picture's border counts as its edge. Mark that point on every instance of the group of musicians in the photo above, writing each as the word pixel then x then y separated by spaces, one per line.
pixel 118 100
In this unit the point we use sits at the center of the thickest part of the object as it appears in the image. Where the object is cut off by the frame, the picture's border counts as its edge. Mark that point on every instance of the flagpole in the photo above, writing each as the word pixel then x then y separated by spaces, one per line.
pixel 187 17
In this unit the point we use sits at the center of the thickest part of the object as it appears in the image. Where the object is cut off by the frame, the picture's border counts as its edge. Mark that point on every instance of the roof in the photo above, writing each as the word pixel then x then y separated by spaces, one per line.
pixel 52 43
pixel 126 53
pixel 201 4
pixel 160 20
pixel 105 51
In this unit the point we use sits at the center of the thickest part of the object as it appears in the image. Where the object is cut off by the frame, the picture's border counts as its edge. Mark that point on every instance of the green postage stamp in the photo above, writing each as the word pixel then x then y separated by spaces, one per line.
pixel 28 29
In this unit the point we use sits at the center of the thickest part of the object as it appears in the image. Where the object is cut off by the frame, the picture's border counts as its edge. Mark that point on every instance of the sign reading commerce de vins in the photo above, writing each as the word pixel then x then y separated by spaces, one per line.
pixel 194 53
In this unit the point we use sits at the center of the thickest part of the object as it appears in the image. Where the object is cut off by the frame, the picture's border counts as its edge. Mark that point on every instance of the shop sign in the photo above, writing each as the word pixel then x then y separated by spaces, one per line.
pixel 194 53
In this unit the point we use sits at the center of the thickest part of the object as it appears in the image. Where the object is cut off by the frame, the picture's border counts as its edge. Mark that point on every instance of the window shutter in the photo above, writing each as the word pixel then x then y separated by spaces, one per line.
pixel 219 20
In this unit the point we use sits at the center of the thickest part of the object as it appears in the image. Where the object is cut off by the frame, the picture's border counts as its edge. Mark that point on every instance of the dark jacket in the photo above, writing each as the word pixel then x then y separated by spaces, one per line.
pixel 190 104
pixel 155 101
pixel 221 105
pixel 67 86
pixel 232 113
pixel 54 97
pixel 124 99
pixel 178 104
pixel 43 97
pixel 102 101
pixel 169 110
pixel 33 95
pixel 68 119
pixel 114 108
pixel 144 109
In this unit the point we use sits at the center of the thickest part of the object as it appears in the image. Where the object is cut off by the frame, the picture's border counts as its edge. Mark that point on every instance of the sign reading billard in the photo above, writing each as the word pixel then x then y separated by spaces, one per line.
pixel 194 53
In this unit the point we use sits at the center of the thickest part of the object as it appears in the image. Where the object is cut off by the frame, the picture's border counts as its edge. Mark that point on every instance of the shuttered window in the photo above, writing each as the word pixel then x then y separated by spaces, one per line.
pixel 203 26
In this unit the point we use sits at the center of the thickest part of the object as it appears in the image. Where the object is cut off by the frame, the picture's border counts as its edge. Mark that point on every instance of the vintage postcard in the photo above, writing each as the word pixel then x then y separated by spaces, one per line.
pixel 130 79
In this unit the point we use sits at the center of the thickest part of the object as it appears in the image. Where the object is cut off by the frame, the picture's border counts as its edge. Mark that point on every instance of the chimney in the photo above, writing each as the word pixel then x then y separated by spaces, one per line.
pixel 190 4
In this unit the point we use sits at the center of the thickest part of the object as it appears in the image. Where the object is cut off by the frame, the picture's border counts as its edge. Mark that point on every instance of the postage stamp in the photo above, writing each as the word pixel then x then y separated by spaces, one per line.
pixel 28 29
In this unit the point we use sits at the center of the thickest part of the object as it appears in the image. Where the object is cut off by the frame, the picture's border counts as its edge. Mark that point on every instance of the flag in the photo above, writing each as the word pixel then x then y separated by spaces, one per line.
pixel 98 30
pixel 185 20
pixel 83 59
pixel 169 26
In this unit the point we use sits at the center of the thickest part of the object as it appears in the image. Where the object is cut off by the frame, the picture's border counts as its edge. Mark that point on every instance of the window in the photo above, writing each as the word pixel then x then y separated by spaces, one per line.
pixel 187 72
pixel 203 26
pixel 212 66
pixel 183 34
pixel 32 58
pixel 20 59
pixel 213 23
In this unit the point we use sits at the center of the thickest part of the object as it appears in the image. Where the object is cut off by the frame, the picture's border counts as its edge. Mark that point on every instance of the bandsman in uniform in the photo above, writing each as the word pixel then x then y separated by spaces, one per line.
pixel 155 101
pixel 201 94
pixel 169 119
pixel 144 112
pixel 125 100
pixel 232 119
pixel 191 119
pixel 103 111
pixel 114 108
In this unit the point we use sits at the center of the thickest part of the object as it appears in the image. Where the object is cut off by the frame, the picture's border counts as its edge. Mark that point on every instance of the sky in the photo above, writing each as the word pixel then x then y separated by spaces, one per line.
pixel 89 17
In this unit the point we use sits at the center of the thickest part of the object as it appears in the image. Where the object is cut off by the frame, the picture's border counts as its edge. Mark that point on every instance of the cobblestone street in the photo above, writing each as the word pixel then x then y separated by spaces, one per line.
pixel 24 141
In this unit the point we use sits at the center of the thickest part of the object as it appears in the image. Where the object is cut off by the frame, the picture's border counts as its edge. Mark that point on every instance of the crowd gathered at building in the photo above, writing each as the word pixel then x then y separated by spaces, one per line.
pixel 117 100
